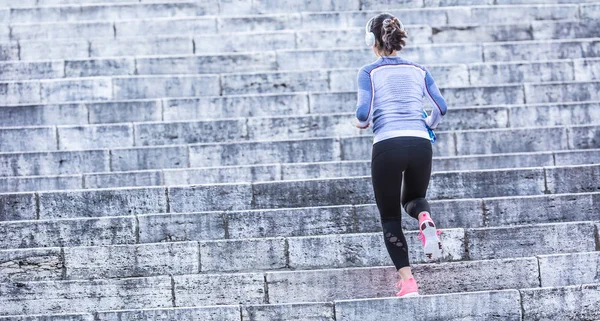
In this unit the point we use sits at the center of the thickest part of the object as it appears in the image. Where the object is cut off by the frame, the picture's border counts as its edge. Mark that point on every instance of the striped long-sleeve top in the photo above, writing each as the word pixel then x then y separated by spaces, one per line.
pixel 391 92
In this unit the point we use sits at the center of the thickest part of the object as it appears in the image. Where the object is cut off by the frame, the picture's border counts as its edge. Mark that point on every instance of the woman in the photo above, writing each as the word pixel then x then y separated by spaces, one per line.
pixel 390 93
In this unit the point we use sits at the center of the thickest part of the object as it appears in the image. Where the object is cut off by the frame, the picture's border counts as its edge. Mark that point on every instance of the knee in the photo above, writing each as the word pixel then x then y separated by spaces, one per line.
pixel 417 203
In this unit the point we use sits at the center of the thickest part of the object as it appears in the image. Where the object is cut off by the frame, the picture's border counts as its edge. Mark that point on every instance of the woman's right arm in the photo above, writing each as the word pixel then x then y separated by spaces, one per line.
pixel 364 108
pixel 437 101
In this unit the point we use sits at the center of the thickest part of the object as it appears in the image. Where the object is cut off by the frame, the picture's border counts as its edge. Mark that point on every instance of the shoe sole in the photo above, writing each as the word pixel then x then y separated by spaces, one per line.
pixel 433 244
pixel 410 295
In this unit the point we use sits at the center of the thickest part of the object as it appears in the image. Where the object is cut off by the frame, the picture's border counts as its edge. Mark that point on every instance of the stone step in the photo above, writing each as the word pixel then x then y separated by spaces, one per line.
pixel 290 194
pixel 101 11
pixel 126 66
pixel 244 74
pixel 436 16
pixel 458 143
pixel 570 303
pixel 142 26
pixel 319 221
pixel 326 86
pixel 123 135
pixel 271 287
pixel 264 105
pixel 105 39
pixel 505 305
pixel 281 172
pixel 354 57
pixel 177 26
pixel 576 148
pixel 295 253
pixel 275 172
pixel 478 7
pixel 444 53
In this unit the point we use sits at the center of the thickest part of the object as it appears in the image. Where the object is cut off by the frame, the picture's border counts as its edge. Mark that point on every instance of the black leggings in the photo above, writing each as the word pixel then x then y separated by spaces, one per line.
pixel 392 159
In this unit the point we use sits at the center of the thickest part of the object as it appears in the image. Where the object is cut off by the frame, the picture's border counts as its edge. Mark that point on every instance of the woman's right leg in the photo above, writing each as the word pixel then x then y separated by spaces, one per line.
pixel 386 173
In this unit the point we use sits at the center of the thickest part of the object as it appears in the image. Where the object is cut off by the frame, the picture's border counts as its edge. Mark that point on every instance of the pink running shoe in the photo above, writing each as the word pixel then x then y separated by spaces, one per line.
pixel 408 288
pixel 429 236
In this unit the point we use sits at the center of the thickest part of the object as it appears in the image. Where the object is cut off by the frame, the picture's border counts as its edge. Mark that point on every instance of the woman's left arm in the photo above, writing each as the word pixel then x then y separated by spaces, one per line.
pixel 364 109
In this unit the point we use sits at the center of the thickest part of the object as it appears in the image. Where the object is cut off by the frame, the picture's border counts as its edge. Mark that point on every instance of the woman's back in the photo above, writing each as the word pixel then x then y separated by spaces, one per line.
pixel 391 92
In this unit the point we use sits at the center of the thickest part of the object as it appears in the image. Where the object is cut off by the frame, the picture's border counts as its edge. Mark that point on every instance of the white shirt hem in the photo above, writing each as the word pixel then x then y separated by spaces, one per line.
pixel 400 133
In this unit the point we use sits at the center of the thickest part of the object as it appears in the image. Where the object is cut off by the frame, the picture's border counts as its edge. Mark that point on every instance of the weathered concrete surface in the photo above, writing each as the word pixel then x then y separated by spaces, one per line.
pixel 31 265
pixel 53 317
pixel 143 158
pixel 290 222
pixel 29 139
pixel 210 198
pixel 17 70
pixel 243 255
pixel 40 115
pixel 219 289
pixel 521 72
pixel 553 114
pixel 178 26
pixel 53 49
pixel 236 106
pixel 95 136
pixel 533 50
pixel 121 261
pixel 483 306
pixel 229 174
pixel 220 313
pixel 569 269
pixel 54 163
pixel 73 296
pixel 302 127
pixel 102 12
pixel 62 30
pixel 147 134
pixel 503 211
pixel 99 67
pixel 45 183
pixel 246 153
pixel 75 232
pixel 124 111
pixel 372 282
pixel 486 183
pixel 523 241
pixel 17 207
pixel 312 193
pixel 562 92
pixel 181 227
pixel 297 311
pixel 123 179
pixel 135 87
pixel 586 178
pixel 584 137
pixel 80 89
pixel 325 170
pixel 578 157
pixel 101 203
pixel 275 82
pixel 470 142
pixel 561 303
pixel 106 47
pixel 206 63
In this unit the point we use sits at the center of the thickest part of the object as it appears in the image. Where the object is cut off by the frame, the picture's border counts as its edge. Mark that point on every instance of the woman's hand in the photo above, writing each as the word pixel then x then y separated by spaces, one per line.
pixel 361 127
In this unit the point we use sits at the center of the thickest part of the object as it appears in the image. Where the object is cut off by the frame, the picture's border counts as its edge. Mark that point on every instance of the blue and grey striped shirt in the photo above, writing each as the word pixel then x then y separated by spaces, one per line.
pixel 391 92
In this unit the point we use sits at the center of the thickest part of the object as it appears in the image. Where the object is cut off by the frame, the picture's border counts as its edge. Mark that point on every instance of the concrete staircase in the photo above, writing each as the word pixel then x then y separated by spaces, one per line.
pixel 196 160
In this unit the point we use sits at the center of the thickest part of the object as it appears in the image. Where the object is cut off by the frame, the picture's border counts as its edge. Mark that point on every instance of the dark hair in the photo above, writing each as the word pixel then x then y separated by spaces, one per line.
pixel 388 33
